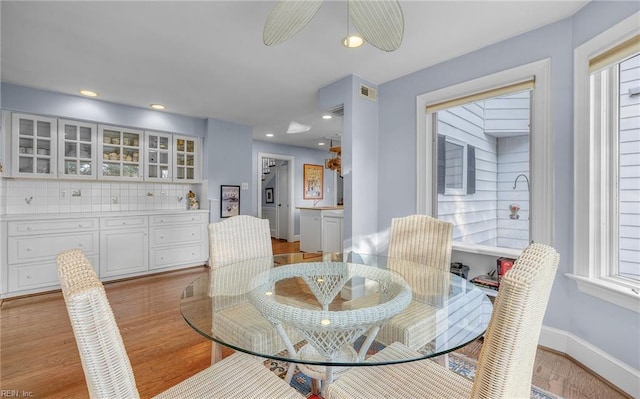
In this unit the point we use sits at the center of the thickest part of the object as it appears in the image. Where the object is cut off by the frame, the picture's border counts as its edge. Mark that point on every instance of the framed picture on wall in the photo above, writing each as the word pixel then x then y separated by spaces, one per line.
pixel 313 181
pixel 229 201
pixel 268 195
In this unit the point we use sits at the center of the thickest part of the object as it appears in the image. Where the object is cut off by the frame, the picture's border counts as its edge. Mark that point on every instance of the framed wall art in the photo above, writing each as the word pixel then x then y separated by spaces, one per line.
pixel 313 181
pixel 229 201
pixel 268 195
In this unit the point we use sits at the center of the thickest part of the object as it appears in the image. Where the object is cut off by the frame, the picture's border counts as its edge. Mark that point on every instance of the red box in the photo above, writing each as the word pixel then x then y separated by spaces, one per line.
pixel 504 264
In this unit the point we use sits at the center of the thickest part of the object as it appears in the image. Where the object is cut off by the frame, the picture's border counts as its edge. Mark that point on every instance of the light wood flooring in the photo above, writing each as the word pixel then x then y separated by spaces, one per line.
pixel 38 353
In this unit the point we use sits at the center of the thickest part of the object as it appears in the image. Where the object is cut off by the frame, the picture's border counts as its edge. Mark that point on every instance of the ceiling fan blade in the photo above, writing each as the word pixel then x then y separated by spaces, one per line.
pixel 287 18
pixel 380 23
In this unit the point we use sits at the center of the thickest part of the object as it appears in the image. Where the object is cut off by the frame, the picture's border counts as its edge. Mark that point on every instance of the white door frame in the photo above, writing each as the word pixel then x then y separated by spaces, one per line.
pixel 291 160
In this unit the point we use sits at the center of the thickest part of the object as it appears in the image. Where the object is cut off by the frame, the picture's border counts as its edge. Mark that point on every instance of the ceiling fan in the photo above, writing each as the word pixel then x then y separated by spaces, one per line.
pixel 380 22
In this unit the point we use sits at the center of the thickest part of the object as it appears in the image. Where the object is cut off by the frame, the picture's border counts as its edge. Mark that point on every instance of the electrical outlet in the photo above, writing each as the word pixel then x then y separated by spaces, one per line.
pixel 245 186
pixel 63 194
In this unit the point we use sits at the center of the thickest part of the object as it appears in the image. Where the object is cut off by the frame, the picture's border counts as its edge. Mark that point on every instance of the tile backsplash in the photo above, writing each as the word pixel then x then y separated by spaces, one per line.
pixel 22 196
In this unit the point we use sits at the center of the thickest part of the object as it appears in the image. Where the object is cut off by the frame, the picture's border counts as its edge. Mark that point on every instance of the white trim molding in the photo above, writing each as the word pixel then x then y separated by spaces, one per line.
pixel 541 154
pixel 608 367
pixel 291 159
pixel 595 212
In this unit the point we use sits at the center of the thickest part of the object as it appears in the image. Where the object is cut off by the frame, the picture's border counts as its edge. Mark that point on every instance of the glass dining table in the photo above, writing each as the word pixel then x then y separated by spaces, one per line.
pixel 328 312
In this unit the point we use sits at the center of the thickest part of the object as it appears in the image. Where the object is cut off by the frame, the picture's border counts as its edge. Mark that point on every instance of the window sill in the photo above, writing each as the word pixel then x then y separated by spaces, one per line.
pixel 608 291
pixel 486 250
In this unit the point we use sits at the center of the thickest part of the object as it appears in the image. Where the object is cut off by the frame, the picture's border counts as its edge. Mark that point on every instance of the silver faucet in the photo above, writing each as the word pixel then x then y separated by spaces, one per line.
pixel 515 183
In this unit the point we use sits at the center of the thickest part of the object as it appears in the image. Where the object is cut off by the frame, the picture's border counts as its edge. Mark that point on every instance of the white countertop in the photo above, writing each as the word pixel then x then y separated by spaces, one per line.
pixel 78 215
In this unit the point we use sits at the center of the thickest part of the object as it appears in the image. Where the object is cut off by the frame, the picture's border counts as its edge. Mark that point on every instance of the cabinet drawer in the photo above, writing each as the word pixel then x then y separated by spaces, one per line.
pixel 39 275
pixel 45 247
pixel 163 220
pixel 162 236
pixel 120 222
pixel 177 256
pixel 51 226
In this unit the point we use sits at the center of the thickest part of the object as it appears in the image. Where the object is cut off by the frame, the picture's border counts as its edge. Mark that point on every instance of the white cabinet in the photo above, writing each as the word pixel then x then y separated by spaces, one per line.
pixel 310 230
pixel 77 143
pixel 178 239
pixel 158 157
pixel 32 247
pixel 332 233
pixel 33 146
pixel 124 246
pixel 321 229
pixel 187 153
pixel 121 156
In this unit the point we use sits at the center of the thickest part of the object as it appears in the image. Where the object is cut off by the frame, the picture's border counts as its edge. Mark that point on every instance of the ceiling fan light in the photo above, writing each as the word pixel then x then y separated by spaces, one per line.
pixel 352 41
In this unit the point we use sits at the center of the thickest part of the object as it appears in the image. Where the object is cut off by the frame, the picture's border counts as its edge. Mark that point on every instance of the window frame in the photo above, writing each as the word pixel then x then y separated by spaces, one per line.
pixel 463 169
pixel 595 219
pixel 541 228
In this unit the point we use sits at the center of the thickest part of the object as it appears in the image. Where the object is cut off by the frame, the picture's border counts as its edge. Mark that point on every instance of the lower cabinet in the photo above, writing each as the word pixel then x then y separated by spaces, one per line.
pixel 119 246
pixel 124 251
pixel 178 239
pixel 32 246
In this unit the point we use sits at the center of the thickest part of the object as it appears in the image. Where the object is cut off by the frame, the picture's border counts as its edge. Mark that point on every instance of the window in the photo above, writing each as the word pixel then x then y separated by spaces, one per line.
pixel 607 165
pixel 456 167
pixel 462 126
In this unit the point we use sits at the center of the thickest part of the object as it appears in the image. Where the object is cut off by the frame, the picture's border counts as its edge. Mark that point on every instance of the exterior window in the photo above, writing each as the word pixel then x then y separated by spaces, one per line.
pixel 481 165
pixel 492 210
pixel 607 164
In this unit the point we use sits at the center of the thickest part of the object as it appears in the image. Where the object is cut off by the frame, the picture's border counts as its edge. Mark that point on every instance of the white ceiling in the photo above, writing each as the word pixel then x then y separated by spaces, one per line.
pixel 207 59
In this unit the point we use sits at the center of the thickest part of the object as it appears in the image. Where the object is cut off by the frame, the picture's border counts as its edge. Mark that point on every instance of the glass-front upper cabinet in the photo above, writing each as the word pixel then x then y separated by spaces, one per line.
pixel 77 149
pixel 121 156
pixel 33 146
pixel 187 154
pixel 158 152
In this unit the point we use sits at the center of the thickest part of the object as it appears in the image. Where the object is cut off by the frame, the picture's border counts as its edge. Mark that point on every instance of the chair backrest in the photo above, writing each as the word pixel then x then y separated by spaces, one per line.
pixel 238 238
pixel 421 239
pixel 505 364
pixel 106 366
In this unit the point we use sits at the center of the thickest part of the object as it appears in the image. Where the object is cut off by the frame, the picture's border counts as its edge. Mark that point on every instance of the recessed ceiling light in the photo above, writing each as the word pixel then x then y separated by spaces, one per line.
pixel 269 135
pixel 321 143
pixel 158 106
pixel 327 116
pixel 88 93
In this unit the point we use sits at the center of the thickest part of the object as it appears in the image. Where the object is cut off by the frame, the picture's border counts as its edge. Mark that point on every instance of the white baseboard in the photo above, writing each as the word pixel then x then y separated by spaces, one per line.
pixel 613 370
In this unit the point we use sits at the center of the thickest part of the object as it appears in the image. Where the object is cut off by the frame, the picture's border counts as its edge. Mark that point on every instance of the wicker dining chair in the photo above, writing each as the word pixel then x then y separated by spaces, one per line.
pixel 232 240
pixel 414 239
pixel 506 360
pixel 105 362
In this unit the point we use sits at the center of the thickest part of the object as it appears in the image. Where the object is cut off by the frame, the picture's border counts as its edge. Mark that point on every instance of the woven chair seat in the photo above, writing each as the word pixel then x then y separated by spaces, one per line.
pixel 391 381
pixel 244 326
pixel 236 376
pixel 415 326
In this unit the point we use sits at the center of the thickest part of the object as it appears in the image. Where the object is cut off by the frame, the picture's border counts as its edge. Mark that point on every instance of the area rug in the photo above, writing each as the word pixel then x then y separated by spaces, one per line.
pixel 458 363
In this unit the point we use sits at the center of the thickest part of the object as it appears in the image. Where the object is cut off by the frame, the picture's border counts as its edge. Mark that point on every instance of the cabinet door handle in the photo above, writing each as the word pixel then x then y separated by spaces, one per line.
pixel 28 249
pixel 80 245
pixel 162 237
pixel 124 222
pixel 28 228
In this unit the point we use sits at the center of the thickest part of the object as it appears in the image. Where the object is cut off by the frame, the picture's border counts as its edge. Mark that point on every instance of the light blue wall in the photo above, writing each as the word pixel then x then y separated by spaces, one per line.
pixel 229 163
pixel 42 102
pixel 608 327
pixel 302 155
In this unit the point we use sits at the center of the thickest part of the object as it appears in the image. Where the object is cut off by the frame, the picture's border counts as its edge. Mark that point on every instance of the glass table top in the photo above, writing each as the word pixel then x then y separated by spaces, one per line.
pixel 335 309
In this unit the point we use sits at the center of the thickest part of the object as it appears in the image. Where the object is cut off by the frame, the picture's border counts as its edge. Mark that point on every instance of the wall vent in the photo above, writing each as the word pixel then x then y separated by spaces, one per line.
pixel 369 92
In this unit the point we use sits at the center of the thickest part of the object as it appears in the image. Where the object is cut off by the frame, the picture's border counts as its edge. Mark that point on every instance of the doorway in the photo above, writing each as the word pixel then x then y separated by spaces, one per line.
pixel 281 205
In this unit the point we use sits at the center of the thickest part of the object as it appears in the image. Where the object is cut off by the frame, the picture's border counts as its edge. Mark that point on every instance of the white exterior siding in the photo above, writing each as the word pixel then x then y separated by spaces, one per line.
pixel 629 168
pixel 501 154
